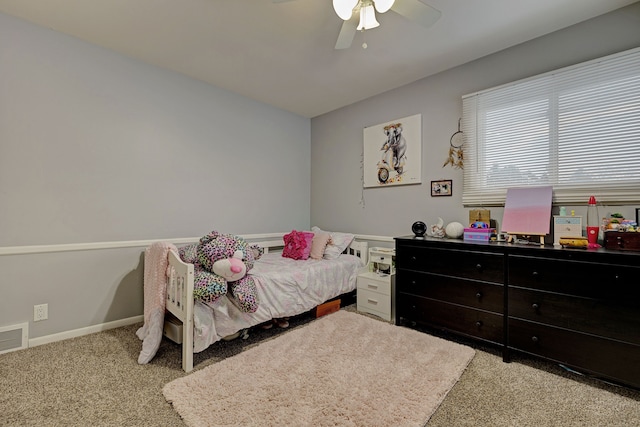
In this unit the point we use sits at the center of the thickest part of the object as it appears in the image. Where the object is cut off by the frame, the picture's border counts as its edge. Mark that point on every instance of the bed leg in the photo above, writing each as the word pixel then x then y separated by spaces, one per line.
pixel 187 334
pixel 187 344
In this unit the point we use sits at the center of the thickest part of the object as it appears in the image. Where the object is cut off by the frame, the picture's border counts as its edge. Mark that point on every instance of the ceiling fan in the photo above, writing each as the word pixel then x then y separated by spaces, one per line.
pixel 360 15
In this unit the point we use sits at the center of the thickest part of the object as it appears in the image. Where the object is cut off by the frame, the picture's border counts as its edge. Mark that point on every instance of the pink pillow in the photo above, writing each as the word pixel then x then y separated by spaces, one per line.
pixel 319 243
pixel 297 244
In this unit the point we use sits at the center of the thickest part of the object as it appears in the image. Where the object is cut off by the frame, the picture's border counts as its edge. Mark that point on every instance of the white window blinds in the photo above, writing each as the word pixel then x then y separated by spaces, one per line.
pixel 576 129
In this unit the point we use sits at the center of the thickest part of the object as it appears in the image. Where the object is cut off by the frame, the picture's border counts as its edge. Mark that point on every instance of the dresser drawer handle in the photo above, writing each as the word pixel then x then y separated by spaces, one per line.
pixel 413 258
pixel 479 323
pixel 479 295
pixel 534 338
pixel 372 286
pixel 372 301
pixel 479 267
pixel 535 306
pixel 534 274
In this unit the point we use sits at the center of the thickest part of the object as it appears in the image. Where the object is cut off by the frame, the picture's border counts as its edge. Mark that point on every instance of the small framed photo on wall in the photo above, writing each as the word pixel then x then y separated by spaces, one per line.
pixel 441 188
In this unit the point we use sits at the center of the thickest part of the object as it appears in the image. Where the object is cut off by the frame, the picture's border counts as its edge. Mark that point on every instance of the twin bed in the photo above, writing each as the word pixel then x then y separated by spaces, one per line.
pixel 286 287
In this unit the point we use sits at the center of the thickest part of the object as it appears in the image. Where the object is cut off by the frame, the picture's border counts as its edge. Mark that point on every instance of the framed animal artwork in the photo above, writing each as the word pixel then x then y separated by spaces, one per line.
pixel 441 188
pixel 393 153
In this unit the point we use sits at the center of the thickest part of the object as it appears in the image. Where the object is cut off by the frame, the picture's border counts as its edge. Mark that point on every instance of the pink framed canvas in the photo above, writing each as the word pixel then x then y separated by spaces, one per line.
pixel 527 211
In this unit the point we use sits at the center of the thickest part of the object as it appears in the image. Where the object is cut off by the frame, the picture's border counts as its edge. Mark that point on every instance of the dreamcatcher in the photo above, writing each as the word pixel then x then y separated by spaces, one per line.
pixel 456 154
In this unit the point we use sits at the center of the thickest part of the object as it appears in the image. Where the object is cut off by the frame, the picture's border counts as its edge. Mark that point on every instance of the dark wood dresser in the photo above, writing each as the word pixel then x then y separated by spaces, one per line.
pixel 580 308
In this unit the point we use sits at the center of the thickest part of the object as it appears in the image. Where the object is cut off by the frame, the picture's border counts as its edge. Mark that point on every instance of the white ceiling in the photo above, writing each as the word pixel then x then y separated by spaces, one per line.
pixel 283 53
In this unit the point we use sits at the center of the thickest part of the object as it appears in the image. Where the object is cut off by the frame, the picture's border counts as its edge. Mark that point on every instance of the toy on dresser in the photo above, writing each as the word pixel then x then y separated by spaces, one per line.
pixel 480 229
pixel 566 227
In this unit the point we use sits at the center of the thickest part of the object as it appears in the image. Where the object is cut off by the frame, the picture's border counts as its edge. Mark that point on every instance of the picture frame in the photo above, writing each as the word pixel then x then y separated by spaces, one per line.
pixel 443 187
pixel 392 153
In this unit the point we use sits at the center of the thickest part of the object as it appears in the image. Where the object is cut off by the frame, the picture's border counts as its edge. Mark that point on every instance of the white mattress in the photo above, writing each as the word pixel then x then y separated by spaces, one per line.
pixel 286 287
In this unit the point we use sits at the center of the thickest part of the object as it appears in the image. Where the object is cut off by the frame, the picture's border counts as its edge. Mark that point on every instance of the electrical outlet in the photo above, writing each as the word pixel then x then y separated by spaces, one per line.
pixel 40 312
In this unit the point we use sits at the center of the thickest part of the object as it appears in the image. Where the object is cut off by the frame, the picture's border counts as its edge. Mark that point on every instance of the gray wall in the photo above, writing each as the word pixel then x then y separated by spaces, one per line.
pixel 96 147
pixel 338 200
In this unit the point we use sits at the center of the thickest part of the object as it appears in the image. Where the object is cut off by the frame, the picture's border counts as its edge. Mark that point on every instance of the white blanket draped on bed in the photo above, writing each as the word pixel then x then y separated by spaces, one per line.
pixel 286 287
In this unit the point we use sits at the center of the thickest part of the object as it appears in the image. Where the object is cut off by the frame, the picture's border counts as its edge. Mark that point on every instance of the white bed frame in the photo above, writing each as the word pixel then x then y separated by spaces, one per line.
pixel 180 299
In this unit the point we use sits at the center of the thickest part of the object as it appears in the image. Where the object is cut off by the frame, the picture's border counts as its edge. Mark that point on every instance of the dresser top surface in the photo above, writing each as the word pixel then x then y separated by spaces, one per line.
pixel 596 255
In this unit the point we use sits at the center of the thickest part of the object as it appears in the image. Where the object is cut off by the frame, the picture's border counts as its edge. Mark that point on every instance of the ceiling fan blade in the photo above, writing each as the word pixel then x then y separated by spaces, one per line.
pixel 347 33
pixel 417 12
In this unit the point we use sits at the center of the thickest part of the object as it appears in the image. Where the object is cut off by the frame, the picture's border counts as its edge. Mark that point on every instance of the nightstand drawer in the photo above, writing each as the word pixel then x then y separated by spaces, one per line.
pixel 376 294
pixel 382 287
pixel 375 302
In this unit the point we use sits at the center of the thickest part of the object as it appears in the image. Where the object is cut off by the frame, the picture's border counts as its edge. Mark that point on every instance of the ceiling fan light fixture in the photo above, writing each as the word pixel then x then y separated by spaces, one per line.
pixel 344 8
pixel 383 5
pixel 367 18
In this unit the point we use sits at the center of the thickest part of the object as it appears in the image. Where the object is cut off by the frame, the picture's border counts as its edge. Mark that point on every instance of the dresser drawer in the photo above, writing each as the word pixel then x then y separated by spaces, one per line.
pixel 616 320
pixel 374 285
pixel 623 241
pixel 476 294
pixel 588 279
pixel 607 358
pixel 467 264
pixel 451 317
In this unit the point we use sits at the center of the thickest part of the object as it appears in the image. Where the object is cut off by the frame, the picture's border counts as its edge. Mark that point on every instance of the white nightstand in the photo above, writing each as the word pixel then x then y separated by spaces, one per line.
pixel 376 284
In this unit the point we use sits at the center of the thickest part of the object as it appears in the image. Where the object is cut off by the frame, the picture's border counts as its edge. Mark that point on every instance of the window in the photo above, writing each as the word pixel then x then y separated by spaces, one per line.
pixel 576 129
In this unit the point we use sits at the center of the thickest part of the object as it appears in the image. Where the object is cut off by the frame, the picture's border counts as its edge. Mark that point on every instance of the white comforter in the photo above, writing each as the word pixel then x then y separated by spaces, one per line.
pixel 286 287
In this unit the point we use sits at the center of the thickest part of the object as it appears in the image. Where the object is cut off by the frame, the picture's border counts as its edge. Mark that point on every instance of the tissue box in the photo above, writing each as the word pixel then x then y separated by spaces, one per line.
pixel 478 234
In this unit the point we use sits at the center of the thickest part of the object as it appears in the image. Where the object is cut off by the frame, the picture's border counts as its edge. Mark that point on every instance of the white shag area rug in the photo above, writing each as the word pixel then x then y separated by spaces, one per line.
pixel 343 369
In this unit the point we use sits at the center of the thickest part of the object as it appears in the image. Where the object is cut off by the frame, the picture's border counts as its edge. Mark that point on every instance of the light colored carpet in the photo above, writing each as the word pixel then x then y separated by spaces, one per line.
pixel 95 380
pixel 343 369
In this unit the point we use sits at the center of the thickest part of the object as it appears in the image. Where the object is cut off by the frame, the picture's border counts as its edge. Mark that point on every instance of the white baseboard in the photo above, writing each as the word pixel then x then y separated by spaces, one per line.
pixel 33 342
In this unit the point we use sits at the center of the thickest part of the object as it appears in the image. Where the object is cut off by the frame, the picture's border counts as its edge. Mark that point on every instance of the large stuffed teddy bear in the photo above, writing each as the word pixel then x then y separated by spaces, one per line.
pixel 221 263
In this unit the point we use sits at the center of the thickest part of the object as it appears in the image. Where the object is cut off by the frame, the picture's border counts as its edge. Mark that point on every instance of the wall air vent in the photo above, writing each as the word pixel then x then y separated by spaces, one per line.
pixel 14 337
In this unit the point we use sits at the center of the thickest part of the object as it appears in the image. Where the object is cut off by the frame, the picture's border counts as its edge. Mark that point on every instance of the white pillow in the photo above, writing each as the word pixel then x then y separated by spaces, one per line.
pixel 339 242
